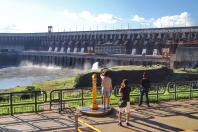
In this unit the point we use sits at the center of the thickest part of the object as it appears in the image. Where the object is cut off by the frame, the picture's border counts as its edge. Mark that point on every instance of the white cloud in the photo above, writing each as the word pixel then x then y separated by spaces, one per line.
pixel 137 18
pixel 30 17
pixel 88 16
pixel 8 28
pixel 86 20
pixel 69 15
pixel 21 17
pixel 107 18
pixel 142 21
pixel 182 19
pixel 36 18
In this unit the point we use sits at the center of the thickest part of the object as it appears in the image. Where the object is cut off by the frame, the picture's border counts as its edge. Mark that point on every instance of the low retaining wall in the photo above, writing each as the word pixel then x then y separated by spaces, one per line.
pixel 156 75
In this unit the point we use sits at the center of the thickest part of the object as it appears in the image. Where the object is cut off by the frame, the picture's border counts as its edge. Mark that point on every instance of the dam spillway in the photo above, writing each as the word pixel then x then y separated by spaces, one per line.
pixel 77 60
pixel 172 47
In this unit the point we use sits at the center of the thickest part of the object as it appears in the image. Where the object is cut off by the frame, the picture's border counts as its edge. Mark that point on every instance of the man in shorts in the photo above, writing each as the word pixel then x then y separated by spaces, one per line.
pixel 106 89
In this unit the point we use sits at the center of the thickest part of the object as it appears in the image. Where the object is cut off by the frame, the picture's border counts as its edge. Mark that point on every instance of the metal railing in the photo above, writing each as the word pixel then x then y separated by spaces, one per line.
pixel 187 87
pixel 165 89
pixel 70 97
pixel 19 102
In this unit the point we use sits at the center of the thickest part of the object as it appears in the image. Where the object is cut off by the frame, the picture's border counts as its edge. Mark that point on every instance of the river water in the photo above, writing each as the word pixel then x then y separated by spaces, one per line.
pixel 27 74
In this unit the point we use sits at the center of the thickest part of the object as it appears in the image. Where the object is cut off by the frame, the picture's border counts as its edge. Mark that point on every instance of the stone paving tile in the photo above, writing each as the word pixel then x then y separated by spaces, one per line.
pixel 65 121
pixel 47 124
pixel 18 127
pixel 165 116
pixel 182 109
pixel 51 114
pixel 143 125
pixel 158 112
pixel 182 122
pixel 29 116
pixel 7 119
pixel 135 127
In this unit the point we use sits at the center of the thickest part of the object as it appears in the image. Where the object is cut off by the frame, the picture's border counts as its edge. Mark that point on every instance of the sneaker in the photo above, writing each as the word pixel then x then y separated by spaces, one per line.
pixel 128 124
pixel 120 123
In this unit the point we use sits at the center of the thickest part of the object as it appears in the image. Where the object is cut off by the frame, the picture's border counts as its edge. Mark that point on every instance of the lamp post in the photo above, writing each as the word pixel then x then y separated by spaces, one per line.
pixel 94 105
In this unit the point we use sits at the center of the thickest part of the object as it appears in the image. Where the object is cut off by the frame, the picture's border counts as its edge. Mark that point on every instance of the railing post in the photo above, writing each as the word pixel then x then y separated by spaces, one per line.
pixel 175 88
pixel 157 93
pixel 82 97
pixel 50 100
pixel 190 90
pixel 35 101
pixel 61 101
pixel 76 122
pixel 102 99
pixel 11 107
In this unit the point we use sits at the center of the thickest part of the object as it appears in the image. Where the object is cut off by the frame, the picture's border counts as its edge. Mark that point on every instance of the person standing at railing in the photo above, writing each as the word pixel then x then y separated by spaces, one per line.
pixel 106 88
pixel 145 82
pixel 124 104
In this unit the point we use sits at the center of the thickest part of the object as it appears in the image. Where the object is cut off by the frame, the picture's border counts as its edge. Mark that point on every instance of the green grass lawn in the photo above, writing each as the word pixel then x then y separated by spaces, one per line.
pixel 133 67
pixel 75 95
pixel 49 85
pixel 73 99
pixel 69 82
pixel 186 70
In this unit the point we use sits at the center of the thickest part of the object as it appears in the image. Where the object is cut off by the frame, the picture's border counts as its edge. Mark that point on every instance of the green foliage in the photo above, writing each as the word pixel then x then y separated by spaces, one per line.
pixel 186 70
pixel 72 81
pixel 77 79
pixel 75 99
pixel 133 67
pixel 30 88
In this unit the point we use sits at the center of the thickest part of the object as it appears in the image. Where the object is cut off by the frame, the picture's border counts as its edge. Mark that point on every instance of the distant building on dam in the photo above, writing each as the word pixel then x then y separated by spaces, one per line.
pixel 173 47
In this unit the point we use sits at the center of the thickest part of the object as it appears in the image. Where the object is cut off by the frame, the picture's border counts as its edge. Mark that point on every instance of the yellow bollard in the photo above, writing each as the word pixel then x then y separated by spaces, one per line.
pixel 94 92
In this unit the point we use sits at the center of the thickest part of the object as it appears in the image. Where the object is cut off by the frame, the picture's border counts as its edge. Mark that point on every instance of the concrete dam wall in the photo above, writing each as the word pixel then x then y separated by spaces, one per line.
pixel 129 46
pixel 134 76
pixel 9 60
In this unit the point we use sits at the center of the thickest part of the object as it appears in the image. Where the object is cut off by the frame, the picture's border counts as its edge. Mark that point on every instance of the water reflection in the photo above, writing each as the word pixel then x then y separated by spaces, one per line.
pixel 27 74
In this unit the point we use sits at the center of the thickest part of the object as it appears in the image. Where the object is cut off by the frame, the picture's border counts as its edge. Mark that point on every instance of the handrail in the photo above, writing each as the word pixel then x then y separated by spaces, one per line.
pixel 22 95
pixel 138 86
pixel 167 87
pixel 10 101
pixel 61 99
pixel 175 85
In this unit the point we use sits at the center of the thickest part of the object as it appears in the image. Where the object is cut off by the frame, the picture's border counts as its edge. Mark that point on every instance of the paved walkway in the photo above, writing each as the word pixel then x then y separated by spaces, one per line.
pixel 166 116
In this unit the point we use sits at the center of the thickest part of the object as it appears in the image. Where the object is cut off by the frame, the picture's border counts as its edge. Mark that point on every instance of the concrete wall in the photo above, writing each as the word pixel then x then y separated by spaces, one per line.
pixel 11 47
pixel 186 57
pixel 187 54
pixel 134 76
pixel 139 39
pixel 8 60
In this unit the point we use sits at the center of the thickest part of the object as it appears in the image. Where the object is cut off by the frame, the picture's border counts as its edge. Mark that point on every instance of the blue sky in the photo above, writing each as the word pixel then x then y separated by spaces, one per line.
pixel 78 15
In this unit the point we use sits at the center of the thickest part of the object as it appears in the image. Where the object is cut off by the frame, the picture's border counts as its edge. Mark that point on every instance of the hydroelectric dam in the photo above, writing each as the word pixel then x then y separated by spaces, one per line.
pixel 172 47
